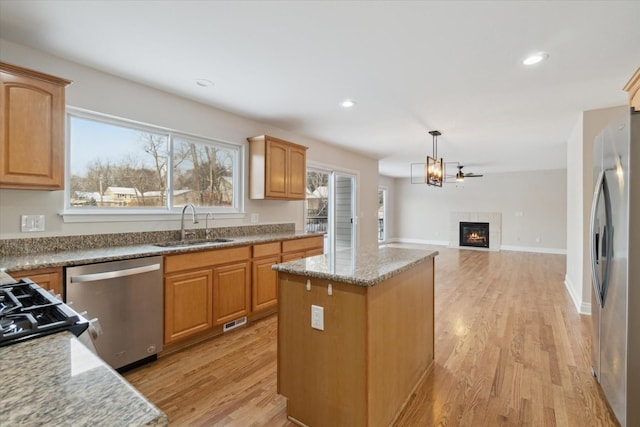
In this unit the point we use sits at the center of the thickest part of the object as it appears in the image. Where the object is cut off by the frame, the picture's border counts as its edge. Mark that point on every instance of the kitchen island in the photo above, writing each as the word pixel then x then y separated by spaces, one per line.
pixel 56 381
pixel 355 334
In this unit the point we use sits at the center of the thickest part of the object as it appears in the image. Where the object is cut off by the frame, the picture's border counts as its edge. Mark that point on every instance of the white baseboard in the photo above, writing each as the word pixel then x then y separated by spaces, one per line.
pixel 502 247
pixel 581 306
pixel 419 241
pixel 534 249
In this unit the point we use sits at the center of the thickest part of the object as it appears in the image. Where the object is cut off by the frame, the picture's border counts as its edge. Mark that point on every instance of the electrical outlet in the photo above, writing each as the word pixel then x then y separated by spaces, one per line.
pixel 29 223
pixel 317 317
pixel 255 217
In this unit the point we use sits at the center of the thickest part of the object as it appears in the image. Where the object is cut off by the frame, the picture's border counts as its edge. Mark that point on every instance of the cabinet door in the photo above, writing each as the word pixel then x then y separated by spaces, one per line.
pixel 187 304
pixel 47 278
pixel 276 169
pixel 231 287
pixel 32 137
pixel 264 283
pixel 297 172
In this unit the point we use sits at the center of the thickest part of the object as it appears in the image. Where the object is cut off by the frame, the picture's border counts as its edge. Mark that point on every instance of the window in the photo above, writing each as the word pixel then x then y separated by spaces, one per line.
pixel 125 167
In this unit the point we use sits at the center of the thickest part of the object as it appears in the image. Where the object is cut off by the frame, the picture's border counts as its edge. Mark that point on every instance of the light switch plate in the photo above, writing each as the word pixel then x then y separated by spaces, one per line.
pixel 317 317
pixel 29 223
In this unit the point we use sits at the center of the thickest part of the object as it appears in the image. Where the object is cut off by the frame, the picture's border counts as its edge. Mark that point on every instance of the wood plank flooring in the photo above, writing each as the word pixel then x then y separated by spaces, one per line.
pixel 510 349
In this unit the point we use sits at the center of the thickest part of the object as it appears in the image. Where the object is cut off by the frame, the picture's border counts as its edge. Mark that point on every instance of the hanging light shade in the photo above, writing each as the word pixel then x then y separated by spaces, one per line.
pixel 434 169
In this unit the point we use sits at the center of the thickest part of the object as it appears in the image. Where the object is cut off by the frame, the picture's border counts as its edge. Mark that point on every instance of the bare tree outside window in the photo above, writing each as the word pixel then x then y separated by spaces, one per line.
pixel 203 175
pixel 115 165
pixel 317 200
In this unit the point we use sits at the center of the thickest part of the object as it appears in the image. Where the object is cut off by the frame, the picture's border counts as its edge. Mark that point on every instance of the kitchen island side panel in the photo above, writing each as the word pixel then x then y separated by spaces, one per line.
pixel 401 339
pixel 376 345
pixel 322 373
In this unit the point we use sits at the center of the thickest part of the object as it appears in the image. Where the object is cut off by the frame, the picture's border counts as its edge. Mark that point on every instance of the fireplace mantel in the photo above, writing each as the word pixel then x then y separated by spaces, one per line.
pixel 495 228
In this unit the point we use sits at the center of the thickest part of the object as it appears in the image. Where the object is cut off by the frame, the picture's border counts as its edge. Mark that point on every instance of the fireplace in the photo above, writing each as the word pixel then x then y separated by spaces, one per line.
pixel 475 234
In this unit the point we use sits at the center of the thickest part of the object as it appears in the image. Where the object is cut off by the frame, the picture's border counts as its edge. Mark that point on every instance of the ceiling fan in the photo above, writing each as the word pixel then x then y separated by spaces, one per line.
pixel 460 175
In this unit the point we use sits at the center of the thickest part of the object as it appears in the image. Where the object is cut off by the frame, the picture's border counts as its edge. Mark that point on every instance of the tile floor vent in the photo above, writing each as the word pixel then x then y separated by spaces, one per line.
pixel 234 324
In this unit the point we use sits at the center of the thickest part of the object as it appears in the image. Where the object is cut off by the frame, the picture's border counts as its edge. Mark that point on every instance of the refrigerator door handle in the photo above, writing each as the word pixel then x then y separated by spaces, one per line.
pixel 593 244
pixel 600 284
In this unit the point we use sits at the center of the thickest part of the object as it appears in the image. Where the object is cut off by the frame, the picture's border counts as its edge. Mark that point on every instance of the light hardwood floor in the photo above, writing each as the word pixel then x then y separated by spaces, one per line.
pixel 510 349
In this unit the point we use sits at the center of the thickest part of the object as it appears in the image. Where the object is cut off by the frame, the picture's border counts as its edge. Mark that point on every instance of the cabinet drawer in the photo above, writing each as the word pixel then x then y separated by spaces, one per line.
pixel 266 249
pixel 191 260
pixel 304 244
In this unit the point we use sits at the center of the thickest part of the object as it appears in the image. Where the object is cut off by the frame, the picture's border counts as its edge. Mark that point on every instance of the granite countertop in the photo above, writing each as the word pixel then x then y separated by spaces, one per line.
pixel 103 254
pixel 364 268
pixel 56 380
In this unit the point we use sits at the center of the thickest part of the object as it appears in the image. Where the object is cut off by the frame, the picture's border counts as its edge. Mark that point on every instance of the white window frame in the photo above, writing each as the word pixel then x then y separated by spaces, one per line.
pixel 114 214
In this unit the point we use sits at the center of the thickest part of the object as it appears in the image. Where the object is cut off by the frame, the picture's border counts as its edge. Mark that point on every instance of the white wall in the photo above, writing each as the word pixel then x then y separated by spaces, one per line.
pixel 105 93
pixel 580 190
pixel 575 220
pixel 422 213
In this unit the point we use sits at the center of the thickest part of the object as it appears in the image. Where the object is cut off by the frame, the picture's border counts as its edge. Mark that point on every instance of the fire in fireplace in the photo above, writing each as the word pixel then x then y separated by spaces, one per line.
pixel 474 234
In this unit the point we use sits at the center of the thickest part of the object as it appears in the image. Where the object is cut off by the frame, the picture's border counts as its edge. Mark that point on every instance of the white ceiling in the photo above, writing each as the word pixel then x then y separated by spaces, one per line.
pixel 411 66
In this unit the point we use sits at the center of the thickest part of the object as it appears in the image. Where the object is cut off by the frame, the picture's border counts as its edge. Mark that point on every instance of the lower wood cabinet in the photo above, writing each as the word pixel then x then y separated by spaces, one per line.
pixel 264 281
pixel 204 289
pixel 47 278
pixel 187 304
pixel 231 292
pixel 302 248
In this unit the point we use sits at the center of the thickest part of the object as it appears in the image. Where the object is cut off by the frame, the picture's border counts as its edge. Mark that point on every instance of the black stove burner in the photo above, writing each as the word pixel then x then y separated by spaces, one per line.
pixel 7 326
pixel 28 311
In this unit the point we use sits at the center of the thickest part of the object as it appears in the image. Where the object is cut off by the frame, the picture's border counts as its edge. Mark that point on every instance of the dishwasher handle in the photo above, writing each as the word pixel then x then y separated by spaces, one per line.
pixel 93 277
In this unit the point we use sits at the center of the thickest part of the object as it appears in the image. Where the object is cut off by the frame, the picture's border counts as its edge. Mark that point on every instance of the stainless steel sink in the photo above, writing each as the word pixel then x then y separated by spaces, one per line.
pixel 195 242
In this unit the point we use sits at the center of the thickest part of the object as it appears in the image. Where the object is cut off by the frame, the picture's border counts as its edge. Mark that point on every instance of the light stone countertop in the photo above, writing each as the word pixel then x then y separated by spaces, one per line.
pixel 104 254
pixel 56 381
pixel 364 268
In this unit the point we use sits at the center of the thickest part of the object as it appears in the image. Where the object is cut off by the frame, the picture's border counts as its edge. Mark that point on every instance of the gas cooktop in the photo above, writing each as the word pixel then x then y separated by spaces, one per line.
pixel 27 311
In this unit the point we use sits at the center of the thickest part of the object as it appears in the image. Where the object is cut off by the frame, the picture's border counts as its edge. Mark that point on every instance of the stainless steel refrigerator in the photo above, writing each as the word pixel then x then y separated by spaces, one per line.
pixel 615 255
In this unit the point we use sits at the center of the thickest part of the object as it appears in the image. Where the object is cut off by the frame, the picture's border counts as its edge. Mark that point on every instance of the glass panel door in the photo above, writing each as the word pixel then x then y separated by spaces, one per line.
pixel 382 213
pixel 330 207
pixel 344 208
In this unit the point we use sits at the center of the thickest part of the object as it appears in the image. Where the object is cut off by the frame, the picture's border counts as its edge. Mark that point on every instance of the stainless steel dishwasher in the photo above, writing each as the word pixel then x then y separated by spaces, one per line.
pixel 126 297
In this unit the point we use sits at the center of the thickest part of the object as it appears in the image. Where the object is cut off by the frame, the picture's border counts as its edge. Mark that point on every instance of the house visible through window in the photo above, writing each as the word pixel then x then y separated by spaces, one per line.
pixel 120 166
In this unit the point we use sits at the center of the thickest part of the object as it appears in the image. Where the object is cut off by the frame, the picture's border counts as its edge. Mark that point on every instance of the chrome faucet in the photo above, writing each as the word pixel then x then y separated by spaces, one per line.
pixel 184 233
pixel 206 224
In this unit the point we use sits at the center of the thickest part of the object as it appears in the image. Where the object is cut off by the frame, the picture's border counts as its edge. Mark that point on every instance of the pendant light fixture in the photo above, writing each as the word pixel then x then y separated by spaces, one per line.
pixel 434 169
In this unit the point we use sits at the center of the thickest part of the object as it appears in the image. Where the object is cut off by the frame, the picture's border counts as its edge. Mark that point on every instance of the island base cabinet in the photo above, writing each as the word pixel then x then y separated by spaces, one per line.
pixel 376 345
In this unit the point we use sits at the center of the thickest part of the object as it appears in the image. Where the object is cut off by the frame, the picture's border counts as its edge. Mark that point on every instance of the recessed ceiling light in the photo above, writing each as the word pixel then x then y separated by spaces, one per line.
pixel 204 82
pixel 535 58
pixel 348 103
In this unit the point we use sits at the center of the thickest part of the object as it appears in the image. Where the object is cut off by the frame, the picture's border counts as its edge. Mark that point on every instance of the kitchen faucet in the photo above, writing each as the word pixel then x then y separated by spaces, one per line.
pixel 184 233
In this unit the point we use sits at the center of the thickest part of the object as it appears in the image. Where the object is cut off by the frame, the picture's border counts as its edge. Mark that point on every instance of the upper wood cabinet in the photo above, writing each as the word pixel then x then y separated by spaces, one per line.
pixel 633 87
pixel 277 169
pixel 32 139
